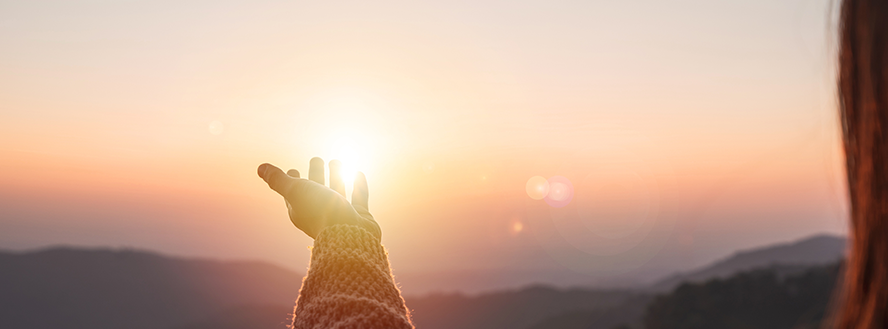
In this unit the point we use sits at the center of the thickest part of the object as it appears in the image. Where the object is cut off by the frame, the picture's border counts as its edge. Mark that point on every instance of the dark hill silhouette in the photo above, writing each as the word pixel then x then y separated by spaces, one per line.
pixel 813 251
pixel 245 316
pixel 103 288
pixel 504 309
pixel 100 288
pixel 508 309
pixel 778 297
pixel 628 314
pixel 756 299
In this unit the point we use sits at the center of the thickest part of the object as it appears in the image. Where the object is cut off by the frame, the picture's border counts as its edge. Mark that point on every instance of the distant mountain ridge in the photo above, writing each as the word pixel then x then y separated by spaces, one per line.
pixel 519 308
pixel 812 251
pixel 761 299
pixel 103 288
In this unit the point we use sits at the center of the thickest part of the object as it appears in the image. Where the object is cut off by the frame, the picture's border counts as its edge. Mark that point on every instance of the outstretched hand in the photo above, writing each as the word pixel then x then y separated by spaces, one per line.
pixel 312 206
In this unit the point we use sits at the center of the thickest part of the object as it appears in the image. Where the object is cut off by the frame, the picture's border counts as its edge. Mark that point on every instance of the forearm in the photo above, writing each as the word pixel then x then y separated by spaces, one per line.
pixel 349 284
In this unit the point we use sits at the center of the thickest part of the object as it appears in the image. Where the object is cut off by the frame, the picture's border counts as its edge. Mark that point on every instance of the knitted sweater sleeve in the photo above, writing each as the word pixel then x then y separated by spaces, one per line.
pixel 349 284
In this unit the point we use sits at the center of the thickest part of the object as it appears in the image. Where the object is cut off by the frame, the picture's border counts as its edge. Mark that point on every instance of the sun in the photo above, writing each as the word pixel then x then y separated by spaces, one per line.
pixel 347 151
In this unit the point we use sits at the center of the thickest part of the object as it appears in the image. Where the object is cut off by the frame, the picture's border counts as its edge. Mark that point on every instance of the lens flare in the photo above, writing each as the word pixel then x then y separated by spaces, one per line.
pixel 537 187
pixel 560 192
pixel 517 227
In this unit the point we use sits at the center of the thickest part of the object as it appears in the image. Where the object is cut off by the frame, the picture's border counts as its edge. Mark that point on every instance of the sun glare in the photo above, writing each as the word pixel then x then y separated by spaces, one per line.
pixel 344 125
pixel 346 151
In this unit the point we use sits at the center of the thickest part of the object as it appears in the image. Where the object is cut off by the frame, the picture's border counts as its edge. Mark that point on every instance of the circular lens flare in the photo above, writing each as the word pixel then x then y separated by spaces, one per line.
pixel 517 227
pixel 537 187
pixel 560 192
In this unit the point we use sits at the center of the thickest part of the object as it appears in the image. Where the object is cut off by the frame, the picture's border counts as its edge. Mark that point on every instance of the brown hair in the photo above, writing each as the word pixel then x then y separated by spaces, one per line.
pixel 863 101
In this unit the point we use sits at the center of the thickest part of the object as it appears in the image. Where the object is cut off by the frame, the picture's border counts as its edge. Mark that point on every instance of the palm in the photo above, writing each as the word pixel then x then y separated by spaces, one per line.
pixel 312 206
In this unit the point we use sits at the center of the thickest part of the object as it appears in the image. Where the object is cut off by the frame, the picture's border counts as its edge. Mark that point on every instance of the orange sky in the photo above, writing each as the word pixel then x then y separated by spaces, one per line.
pixel 141 123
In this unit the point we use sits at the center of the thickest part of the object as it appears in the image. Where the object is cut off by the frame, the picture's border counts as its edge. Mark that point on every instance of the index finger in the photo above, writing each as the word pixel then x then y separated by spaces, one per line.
pixel 316 170
pixel 275 177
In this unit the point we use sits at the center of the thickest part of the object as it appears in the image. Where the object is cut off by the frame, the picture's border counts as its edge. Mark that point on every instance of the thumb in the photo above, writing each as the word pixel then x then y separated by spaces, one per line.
pixel 276 178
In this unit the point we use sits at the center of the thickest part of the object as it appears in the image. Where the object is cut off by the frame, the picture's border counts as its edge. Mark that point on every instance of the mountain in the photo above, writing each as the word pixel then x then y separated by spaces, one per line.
pixel 628 314
pixel 509 309
pixel 244 317
pixel 102 288
pixel 105 288
pixel 813 251
pixel 760 298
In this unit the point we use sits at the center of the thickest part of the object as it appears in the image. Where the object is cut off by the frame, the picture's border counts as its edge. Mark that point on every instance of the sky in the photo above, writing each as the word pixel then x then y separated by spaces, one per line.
pixel 687 129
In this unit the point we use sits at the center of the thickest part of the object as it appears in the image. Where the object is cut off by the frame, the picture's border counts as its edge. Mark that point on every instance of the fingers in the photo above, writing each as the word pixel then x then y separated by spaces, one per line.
pixel 295 174
pixel 360 193
pixel 360 197
pixel 316 170
pixel 276 178
pixel 336 182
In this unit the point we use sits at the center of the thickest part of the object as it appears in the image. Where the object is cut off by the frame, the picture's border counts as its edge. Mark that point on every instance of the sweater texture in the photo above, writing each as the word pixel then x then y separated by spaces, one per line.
pixel 349 284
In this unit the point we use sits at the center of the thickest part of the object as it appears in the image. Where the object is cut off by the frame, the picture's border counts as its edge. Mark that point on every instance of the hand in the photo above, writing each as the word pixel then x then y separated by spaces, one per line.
pixel 312 206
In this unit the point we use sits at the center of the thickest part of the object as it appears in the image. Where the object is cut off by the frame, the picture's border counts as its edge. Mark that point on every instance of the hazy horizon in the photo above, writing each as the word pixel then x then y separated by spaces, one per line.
pixel 688 131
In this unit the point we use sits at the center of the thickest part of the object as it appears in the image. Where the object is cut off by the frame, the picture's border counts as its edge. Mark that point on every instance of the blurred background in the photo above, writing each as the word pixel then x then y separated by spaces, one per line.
pixel 681 133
